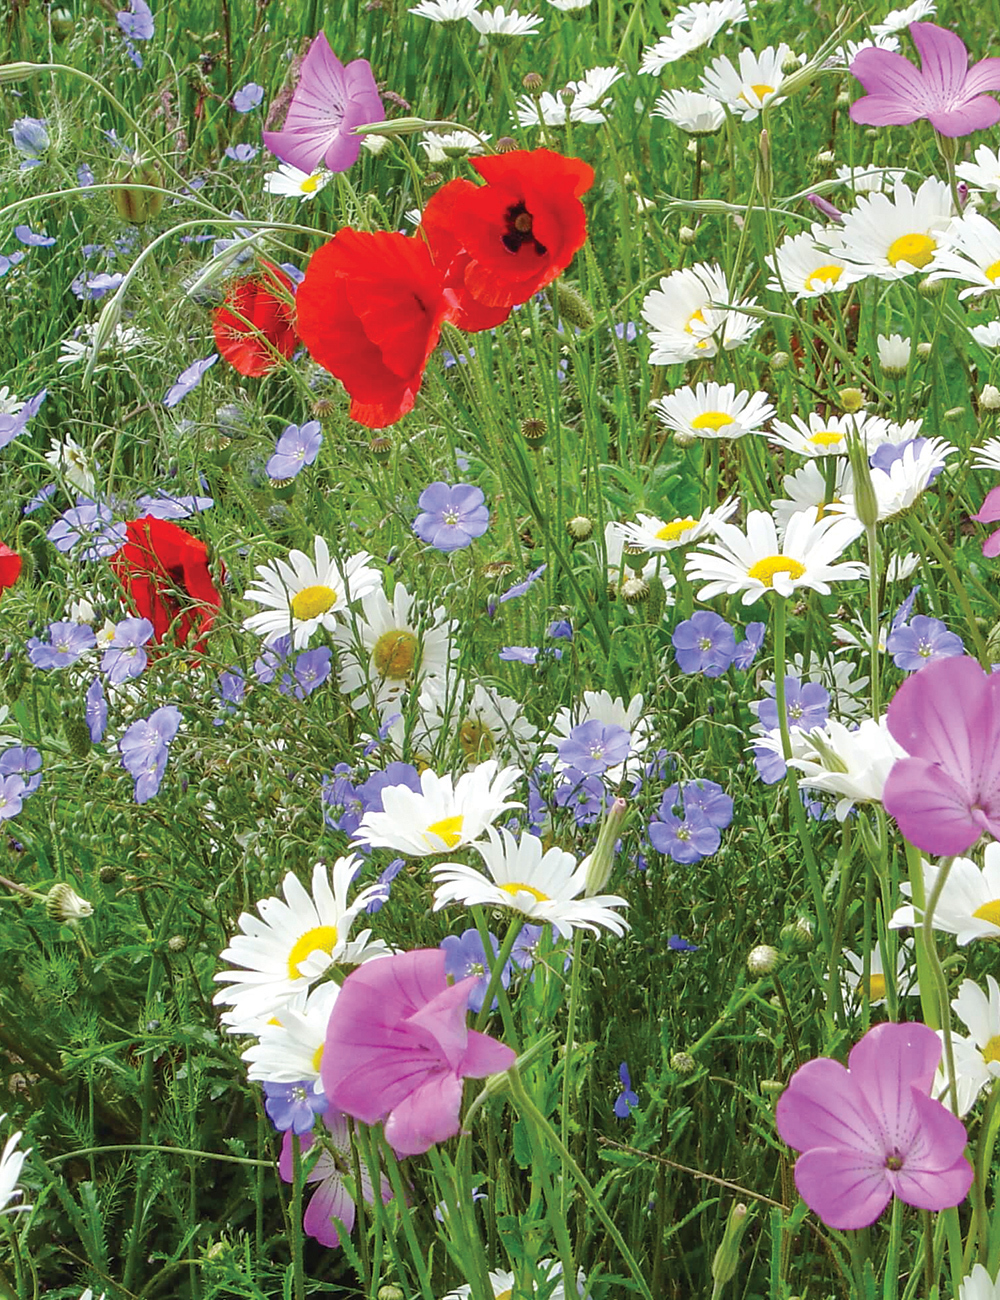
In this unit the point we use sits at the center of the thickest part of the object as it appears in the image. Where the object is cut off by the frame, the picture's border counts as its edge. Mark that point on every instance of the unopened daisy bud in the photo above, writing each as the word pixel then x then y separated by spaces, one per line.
pixel 826 157
pixel 843 100
pixel 380 448
pixel 931 288
pixel 954 414
pixel 134 205
pixel 390 1293
pixel 687 235
pixel 682 1063
pixel 763 960
pixel 567 95
pixel 108 873
pixel 799 935
pixel 989 398
pixel 865 500
pixel 64 904
pixel 573 307
pixel 685 438
pixel 601 861
pixel 533 83
pixel 579 528
pixel 177 943
pixel 924 350
pixel 851 400
pixel 871 134
pixel 772 1087
pixel 533 431
pixel 894 355
pixel 780 360
pixel 727 1257
pixel 635 590
pixel 77 735
pixel 62 24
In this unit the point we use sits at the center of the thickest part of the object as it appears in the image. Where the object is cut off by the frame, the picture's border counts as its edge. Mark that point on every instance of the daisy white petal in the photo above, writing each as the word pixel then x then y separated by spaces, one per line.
pixel 302 594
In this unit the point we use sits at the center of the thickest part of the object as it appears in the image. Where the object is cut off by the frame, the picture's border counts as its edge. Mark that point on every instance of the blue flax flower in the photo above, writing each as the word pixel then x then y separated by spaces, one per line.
pixel 242 153
pixel 162 505
pixel 807 705
pixel 592 747
pixel 297 447
pixel 708 796
pixel 464 955
pixel 922 641
pixel 384 885
pixel 230 688
pixel 25 235
pixel 66 643
pixel 704 643
pixel 451 518
pixel 12 793
pixel 676 944
pixel 519 588
pixel 23 761
pixel 95 711
pixel 684 839
pixel 143 748
pixel 746 651
pixel 91 523
pixel 125 657
pixel 11 426
pixel 293 1105
pixel 188 380
pixel 246 99
pixel 31 139
pixel 626 1099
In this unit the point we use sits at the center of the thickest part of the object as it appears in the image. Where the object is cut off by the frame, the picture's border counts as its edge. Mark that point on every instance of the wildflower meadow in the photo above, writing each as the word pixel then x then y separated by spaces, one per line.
pixel 499 650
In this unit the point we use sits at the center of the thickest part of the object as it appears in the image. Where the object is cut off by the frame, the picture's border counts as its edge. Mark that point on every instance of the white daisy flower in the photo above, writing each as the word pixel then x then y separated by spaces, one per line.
pixel 969 906
pixel 301 594
pixel 972 257
pixel 445 11
pixel 807 489
pixel 878 432
pixel 855 988
pixel 693 26
pixel 978 1285
pixel 693 313
pixel 714 411
pixel 984 172
pixel 488 724
pixel 11 1161
pixel 291 1044
pixel 388 647
pixel 598 706
pixel 851 764
pixel 70 460
pixel 659 536
pixel 614 544
pixel 823 435
pixel 988 335
pixel 440 146
pixel 901 567
pixel 677 43
pixel 545 886
pixel 569 6
pixel 124 338
pixel 587 93
pixel 870 180
pixel 755 562
pixel 977 1058
pixel 906 479
pixel 804 266
pixel 849 51
pixel 894 353
pixel 988 454
pixel 898 19
pixel 755 83
pixel 292 183
pixel 501 23
pixel 444 815
pixel 971 1073
pixel 503 1283
pixel 294 941
pixel 690 111
pixel 892 238
pixel 9 403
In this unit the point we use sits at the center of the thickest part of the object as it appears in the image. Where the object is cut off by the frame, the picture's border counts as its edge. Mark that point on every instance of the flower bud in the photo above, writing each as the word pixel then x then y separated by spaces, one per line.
pixel 687 235
pixel 579 528
pixel 533 431
pixel 931 288
pixel 137 206
pixel 177 943
pixel 62 24
pixel 727 1257
pixel 763 960
pixel 64 904
pixel 380 448
pixel 989 398
pixel 865 500
pixel 573 307
pixel 954 414
pixel 780 360
pixel 30 136
pixel 657 599
pixel 77 735
pixel 894 355
pixel 924 350
pixel 682 1063
pixel 684 438
pixel 799 935
pixel 635 591
pixel 532 83
pixel 826 157
pixel 390 1293
pixel 600 862
pixel 567 95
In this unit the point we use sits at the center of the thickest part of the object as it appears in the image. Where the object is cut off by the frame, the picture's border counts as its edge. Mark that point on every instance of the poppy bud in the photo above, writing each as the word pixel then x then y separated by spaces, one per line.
pixel 657 599
pixel 573 307
pixel 137 206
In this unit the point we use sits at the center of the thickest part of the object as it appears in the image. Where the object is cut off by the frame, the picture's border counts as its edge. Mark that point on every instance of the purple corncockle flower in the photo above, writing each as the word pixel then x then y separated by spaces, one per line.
pixel 247 97
pixel 989 513
pixel 826 208
pixel 707 796
pixel 704 643
pixel 746 651
pixel 188 380
pixel 66 643
pixel 451 518
pixel 873 1131
pixel 465 956
pixel 12 792
pixel 25 762
pixel 13 425
pixel 242 153
pixel 329 102
pixel 947 793
pixel 136 22
pixel 162 505
pixel 125 656
pixel 95 712
pixel 807 705
pixel 384 884
pixel 945 90
pixel 592 747
pixel 922 641
pixel 676 944
pixel 584 795
pixel 293 1107
pixel 519 588
pixel 88 522
pixel 684 839
pixel 297 447
pixel 143 749
pixel 626 1099
pixel 25 235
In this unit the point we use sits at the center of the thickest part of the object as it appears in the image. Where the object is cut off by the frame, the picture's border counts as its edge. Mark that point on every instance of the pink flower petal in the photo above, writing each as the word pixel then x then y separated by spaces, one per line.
pixel 885 110
pixel 940 714
pixel 935 1172
pixel 991 547
pixel 984 75
pixel 975 115
pixel 989 511
pixel 888 1064
pixel 331 1200
pixel 443 1022
pixel 944 62
pixel 427 1115
pixel 930 809
pixel 842 1187
pixel 824 1107
pixel 485 1056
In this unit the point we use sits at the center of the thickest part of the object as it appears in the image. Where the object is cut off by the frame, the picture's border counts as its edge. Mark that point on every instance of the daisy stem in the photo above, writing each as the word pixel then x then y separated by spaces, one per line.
pixel 871 545
pixel 574 991
pixel 298 1266
pixel 531 1112
pixel 983 1161
pixel 495 988
pixel 399 1192
pixel 794 798
pixel 933 962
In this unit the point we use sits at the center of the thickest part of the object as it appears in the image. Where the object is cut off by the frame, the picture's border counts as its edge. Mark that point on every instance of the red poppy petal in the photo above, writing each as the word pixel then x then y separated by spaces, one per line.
pixel 10 566
pixel 255 321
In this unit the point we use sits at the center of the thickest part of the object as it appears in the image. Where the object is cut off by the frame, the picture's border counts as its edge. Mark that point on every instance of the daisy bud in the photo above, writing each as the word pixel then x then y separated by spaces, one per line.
pixel 533 431
pixel 567 95
pixel 799 935
pixel 579 528
pixel 763 960
pixel 108 874
pixel 851 400
pixel 894 355
pixel 137 206
pixel 931 288
pixel 924 350
pixel 601 861
pixel 573 307
pixel 684 438
pixel 177 943
pixel 989 398
pixel 686 235
pixel 64 904
pixel 390 1293
pixel 682 1063
pixel 843 100
pixel 635 591
pixel 532 83
pixel 954 414
pixel 826 157
pixel 773 1087
pixel 727 1257
pixel 780 360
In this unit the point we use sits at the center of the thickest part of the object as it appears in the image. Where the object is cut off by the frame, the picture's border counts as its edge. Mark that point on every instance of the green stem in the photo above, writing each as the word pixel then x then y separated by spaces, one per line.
pixel 298 1264
pixel 574 991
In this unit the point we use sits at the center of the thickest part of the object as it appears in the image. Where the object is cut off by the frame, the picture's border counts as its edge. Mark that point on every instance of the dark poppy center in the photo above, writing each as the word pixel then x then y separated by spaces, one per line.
pixel 518 222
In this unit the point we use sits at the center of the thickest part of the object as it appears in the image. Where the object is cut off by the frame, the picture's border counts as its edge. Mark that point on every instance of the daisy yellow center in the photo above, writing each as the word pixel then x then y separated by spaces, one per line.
pixel 395 654
pixel 826 438
pixel 475 738
pixel 760 89
pixel 764 570
pixel 310 185
pixel 991 1052
pixel 875 987
pixel 915 249
pixel 711 420
pixel 321 938
pixel 670 532
pixel 448 829
pixel 503 1295
pixel 318 1057
pixel 989 912
pixel 310 602
pixel 992 273
pixel 519 887
pixel 824 275
pixel 695 316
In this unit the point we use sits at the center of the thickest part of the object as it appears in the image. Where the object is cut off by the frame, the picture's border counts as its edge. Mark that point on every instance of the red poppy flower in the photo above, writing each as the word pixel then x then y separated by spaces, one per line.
pixel 501 242
pixel 254 325
pixel 370 311
pixel 165 571
pixel 10 566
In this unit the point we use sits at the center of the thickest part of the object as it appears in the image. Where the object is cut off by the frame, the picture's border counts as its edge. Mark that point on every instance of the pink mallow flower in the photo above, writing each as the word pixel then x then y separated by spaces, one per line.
pixel 944 89
pixel 329 102
pixel 989 513
pixel 947 793
pixel 398 1048
pixel 873 1131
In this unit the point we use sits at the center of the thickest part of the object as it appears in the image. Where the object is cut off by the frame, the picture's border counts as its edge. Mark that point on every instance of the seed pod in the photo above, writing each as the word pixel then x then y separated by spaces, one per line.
pixel 134 205
pixel 77 735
